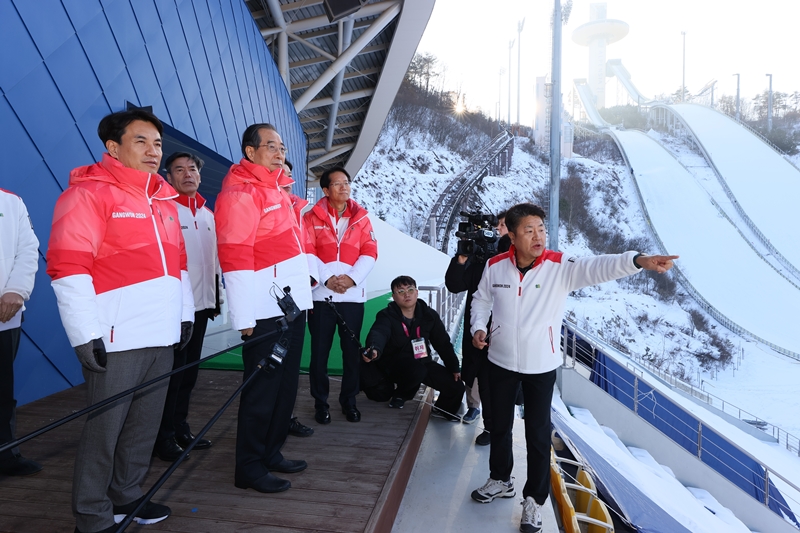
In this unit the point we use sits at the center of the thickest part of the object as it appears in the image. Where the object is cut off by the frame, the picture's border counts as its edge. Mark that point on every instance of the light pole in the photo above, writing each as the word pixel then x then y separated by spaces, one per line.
pixel 499 91
pixel 769 106
pixel 683 83
pixel 510 47
pixel 738 118
pixel 519 54
pixel 555 131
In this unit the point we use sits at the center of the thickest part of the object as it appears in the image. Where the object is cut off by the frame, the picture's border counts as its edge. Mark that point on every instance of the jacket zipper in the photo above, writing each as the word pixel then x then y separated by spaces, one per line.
pixel 155 225
pixel 552 346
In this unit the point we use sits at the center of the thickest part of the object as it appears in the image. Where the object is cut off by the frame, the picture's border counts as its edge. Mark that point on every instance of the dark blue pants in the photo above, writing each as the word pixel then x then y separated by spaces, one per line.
pixel 9 343
pixel 266 404
pixel 538 392
pixel 179 392
pixel 322 323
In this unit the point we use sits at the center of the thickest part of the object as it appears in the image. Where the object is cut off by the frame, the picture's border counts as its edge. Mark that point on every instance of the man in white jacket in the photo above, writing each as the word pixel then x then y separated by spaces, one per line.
pixel 19 261
pixel 200 237
pixel 525 291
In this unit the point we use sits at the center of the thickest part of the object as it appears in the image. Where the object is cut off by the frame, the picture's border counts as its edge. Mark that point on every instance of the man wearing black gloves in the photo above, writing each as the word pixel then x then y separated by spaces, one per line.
pixel 401 338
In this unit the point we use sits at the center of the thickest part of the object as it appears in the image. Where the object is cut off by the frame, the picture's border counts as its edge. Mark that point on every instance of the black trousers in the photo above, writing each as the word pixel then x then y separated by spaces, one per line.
pixel 266 404
pixel 408 375
pixel 9 343
pixel 322 323
pixel 179 392
pixel 538 392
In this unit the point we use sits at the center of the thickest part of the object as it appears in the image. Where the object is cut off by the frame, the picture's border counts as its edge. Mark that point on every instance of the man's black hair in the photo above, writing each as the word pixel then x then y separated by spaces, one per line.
pixel 401 281
pixel 171 159
pixel 288 164
pixel 501 215
pixel 252 137
pixel 516 213
pixel 112 127
pixel 325 179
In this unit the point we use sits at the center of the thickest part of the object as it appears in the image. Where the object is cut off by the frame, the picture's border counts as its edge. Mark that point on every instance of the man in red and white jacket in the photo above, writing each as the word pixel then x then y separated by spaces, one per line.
pixel 199 234
pixel 261 253
pixel 19 261
pixel 524 291
pixel 118 264
pixel 340 236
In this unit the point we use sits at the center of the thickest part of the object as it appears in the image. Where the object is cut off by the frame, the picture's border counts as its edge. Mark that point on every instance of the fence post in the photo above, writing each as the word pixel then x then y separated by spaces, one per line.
pixel 635 393
pixel 766 487
pixel 699 439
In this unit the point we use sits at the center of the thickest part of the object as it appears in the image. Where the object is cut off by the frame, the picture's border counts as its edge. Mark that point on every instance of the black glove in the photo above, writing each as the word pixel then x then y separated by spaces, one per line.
pixel 186 334
pixel 92 355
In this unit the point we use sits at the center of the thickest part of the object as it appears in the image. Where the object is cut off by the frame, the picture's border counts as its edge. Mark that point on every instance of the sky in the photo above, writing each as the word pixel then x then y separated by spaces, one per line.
pixel 722 38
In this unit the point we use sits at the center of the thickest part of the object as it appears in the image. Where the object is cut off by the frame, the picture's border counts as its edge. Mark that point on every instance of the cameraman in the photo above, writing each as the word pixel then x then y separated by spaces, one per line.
pixel 463 274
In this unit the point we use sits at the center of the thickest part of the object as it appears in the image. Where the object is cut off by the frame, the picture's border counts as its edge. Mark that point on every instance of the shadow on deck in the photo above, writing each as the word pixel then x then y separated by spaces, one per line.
pixel 356 477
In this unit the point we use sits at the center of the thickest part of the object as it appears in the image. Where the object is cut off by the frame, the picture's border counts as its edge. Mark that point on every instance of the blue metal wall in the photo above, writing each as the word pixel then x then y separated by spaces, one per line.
pixel 64 64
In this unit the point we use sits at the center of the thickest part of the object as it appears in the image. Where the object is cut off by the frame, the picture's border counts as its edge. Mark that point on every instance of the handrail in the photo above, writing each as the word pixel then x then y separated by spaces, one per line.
pixel 701 301
pixel 609 351
pixel 747 220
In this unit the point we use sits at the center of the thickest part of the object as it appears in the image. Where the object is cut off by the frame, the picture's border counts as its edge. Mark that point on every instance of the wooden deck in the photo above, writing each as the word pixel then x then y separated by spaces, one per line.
pixel 354 483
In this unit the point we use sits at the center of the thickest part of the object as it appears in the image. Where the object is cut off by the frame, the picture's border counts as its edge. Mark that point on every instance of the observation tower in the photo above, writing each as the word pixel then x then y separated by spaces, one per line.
pixel 597 34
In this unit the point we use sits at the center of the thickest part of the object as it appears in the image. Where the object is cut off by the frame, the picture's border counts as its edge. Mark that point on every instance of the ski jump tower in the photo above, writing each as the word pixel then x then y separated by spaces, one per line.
pixel 597 34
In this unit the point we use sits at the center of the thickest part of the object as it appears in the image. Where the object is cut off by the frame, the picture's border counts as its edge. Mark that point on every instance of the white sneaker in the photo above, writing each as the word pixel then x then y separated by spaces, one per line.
pixel 494 489
pixel 531 516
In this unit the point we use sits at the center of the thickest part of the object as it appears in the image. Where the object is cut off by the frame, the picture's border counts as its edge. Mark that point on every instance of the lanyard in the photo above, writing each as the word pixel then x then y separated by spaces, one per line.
pixel 405 329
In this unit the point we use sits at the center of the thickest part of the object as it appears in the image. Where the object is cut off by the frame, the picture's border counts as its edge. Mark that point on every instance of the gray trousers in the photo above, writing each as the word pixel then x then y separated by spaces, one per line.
pixel 117 440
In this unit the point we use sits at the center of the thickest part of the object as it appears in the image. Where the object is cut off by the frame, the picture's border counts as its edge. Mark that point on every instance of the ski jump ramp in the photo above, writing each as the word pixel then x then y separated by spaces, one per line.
pixel 615 67
pixel 588 100
pixel 717 262
pixel 763 182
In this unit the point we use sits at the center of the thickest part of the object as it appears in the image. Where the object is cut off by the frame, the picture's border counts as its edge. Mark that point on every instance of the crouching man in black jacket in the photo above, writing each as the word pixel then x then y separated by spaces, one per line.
pixel 401 337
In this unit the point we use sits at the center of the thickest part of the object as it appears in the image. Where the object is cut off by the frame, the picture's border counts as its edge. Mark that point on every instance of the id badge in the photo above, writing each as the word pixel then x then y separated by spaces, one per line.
pixel 420 350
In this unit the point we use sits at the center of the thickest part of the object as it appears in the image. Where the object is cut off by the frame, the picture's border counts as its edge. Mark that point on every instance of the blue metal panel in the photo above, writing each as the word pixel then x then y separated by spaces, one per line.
pixel 126 30
pixel 15 37
pixel 201 127
pixel 74 76
pixel 147 87
pixel 178 109
pixel 87 124
pixel 70 152
pixel 81 11
pixel 40 120
pixel 39 190
pixel 188 19
pixel 47 22
pixel 121 91
pixel 17 150
pixel 33 372
pixel 101 49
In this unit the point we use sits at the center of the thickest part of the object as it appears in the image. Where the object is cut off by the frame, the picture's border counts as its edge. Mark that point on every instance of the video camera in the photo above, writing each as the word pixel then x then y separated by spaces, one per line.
pixel 478 236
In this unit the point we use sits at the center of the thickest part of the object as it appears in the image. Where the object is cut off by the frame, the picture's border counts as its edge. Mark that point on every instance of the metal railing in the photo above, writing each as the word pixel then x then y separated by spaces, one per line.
pixel 684 280
pixel 448 305
pixel 630 388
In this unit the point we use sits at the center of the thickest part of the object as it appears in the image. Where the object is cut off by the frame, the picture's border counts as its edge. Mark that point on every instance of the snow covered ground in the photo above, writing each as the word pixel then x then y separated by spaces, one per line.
pixel 400 181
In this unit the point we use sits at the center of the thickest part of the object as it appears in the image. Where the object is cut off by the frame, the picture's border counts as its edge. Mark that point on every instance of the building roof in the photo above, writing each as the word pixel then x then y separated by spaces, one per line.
pixel 344 75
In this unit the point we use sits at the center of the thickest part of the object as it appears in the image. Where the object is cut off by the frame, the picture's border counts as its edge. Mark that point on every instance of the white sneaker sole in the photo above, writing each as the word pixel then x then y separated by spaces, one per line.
pixel 143 521
pixel 490 498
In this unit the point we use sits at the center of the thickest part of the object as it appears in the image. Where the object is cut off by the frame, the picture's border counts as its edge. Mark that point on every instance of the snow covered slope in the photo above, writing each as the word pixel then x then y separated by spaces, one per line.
pixel 765 184
pixel 720 265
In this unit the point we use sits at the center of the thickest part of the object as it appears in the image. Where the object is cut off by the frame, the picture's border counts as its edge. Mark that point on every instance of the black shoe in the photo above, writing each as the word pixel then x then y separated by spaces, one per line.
pixel 297 429
pixel 168 450
pixel 322 416
pixel 397 403
pixel 266 484
pixel 436 412
pixel 109 529
pixel 352 414
pixel 151 513
pixel 484 439
pixel 185 440
pixel 19 466
pixel 289 466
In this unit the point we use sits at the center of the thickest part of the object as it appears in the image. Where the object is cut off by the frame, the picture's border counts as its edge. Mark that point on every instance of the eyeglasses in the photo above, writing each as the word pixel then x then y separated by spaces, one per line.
pixel 340 185
pixel 403 292
pixel 273 148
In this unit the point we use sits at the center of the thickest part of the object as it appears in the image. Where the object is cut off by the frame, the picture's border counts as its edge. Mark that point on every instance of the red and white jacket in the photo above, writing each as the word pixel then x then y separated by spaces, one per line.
pixel 19 252
pixel 345 245
pixel 117 259
pixel 261 249
pixel 200 236
pixel 527 311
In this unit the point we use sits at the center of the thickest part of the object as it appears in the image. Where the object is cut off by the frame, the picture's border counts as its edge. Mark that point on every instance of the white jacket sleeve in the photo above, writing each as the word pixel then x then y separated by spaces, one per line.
pixel 482 302
pixel 77 305
pixel 26 257
pixel 187 314
pixel 585 271
pixel 240 289
pixel 359 272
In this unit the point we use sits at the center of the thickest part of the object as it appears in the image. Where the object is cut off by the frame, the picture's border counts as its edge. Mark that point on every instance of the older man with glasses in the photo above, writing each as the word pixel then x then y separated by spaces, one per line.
pixel 340 236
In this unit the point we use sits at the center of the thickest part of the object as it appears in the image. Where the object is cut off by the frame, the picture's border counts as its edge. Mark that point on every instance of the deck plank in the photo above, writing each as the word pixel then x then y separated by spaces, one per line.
pixel 349 465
